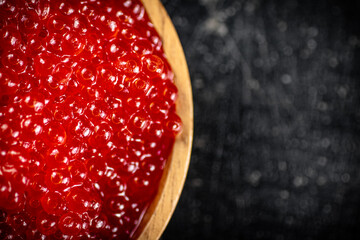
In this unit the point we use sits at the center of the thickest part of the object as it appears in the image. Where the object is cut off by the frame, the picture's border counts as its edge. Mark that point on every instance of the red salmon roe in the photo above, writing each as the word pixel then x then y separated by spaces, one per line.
pixel 87 118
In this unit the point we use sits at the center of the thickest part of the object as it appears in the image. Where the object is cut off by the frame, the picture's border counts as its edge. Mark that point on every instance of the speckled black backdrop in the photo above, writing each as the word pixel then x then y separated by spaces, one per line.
pixel 277 119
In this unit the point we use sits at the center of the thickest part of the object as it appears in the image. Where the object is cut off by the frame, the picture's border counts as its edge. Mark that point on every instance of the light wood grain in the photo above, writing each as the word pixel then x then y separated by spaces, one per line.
pixel 160 211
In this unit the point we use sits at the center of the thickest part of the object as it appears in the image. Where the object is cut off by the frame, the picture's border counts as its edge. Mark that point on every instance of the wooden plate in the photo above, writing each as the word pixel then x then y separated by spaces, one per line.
pixel 159 213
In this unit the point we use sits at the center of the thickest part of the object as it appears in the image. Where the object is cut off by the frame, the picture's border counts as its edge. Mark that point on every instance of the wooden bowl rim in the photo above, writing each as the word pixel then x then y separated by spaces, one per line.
pixel 161 209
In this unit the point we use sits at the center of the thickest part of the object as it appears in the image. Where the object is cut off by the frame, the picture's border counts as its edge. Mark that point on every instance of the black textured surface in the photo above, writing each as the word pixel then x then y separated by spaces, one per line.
pixel 276 97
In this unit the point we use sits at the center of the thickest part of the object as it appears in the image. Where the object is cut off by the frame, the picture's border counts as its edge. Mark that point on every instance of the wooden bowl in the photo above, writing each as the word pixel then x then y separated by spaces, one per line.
pixel 159 213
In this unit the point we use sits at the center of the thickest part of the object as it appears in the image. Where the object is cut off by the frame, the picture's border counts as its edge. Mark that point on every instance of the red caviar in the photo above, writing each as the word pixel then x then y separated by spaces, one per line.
pixel 87 118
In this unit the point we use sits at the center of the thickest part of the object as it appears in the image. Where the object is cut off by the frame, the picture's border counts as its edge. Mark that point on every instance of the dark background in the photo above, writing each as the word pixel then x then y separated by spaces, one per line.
pixel 277 119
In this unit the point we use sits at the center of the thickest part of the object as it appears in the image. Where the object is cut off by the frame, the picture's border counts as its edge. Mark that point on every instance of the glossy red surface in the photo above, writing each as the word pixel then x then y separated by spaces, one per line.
pixel 87 118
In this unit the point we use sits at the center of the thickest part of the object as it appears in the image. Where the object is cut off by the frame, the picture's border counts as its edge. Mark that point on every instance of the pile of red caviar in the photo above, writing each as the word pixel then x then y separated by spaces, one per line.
pixel 87 118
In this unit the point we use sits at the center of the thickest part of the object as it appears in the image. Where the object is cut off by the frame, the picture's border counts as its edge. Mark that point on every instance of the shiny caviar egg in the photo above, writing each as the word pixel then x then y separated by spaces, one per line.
pixel 87 118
